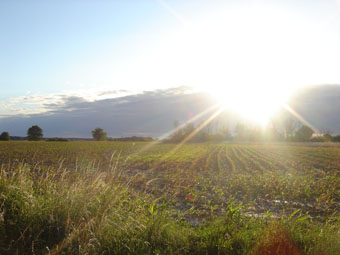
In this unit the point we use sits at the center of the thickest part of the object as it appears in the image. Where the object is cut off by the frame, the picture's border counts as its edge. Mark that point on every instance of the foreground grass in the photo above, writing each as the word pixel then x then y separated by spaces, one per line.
pixel 52 210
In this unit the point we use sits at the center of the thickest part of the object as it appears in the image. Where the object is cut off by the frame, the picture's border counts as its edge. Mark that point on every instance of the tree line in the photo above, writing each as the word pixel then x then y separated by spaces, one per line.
pixel 289 130
pixel 34 133
pixel 99 134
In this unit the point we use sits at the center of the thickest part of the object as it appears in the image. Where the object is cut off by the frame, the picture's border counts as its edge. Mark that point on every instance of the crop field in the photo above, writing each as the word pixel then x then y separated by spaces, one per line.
pixel 154 198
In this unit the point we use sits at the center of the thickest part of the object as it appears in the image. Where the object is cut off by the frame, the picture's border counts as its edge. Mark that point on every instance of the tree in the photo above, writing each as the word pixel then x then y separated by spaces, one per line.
pixel 290 127
pixel 327 136
pixel 223 134
pixel 5 136
pixel 34 133
pixel 98 134
pixel 304 133
pixel 272 132
pixel 336 138
pixel 177 135
pixel 181 133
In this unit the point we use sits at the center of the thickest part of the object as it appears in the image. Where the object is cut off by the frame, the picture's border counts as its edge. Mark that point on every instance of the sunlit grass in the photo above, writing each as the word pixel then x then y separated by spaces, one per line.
pixel 90 199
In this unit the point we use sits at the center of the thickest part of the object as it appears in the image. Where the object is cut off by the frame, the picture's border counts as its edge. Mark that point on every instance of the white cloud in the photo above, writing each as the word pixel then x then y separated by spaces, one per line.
pixel 42 103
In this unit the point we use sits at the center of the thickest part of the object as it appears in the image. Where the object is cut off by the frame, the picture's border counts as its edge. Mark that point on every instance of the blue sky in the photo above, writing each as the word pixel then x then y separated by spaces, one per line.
pixel 50 49
pixel 46 44
pixel 43 42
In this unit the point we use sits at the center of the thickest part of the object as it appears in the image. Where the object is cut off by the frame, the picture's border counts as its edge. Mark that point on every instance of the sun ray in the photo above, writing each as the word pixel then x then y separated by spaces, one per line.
pixel 191 135
pixel 173 12
pixel 300 118
pixel 191 120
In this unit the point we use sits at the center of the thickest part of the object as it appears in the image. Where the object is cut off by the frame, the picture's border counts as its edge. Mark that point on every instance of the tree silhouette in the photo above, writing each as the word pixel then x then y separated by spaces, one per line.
pixel 290 126
pixel 304 133
pixel 98 134
pixel 5 136
pixel 34 133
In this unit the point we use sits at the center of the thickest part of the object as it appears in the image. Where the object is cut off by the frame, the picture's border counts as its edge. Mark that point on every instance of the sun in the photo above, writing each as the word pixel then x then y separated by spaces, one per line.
pixel 243 56
pixel 249 58
pixel 253 104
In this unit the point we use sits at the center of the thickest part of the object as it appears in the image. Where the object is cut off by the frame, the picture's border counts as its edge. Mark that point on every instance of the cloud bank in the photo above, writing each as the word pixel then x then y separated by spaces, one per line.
pixel 153 113
pixel 319 106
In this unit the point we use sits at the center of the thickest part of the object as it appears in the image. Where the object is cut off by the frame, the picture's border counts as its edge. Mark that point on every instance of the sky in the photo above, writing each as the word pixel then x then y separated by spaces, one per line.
pixel 153 113
pixel 241 52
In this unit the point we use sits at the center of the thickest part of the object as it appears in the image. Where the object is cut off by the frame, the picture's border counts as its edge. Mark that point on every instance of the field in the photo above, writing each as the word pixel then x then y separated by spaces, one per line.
pixel 152 198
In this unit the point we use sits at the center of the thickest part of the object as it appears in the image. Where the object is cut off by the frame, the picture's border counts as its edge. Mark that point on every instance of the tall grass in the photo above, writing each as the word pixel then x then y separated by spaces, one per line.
pixel 52 210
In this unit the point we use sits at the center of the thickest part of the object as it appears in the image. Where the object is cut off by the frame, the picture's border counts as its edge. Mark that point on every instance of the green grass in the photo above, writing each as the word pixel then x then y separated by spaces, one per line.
pixel 120 198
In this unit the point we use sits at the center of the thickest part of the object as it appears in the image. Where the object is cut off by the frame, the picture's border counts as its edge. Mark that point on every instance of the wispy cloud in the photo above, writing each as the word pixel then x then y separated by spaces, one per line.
pixel 42 103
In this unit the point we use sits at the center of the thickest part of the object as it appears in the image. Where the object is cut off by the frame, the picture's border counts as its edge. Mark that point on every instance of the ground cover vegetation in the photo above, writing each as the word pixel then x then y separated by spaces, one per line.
pixel 156 198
